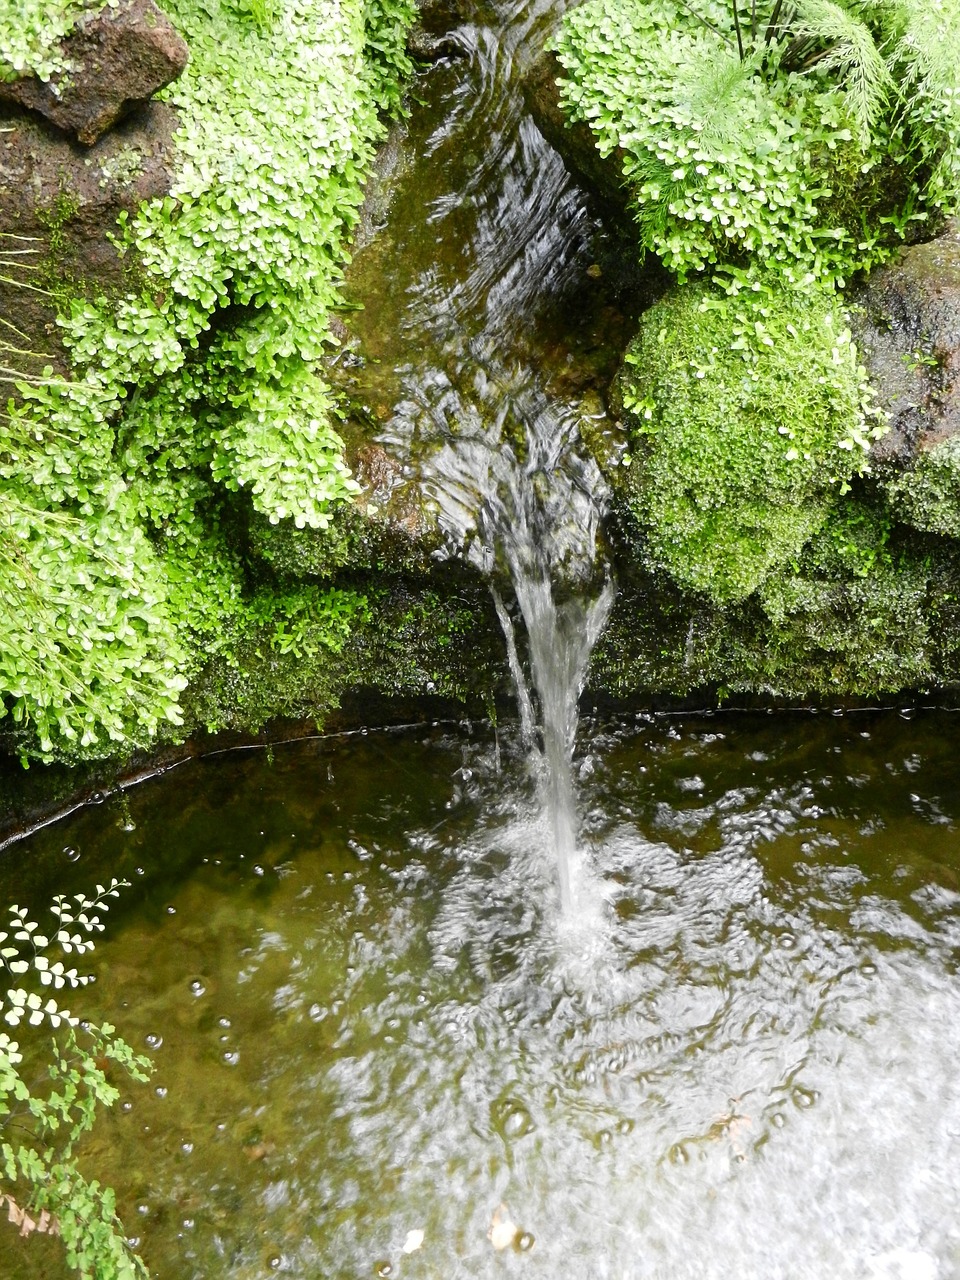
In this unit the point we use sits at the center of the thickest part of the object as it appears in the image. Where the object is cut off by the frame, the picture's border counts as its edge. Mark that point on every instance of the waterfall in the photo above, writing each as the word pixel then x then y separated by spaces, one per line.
pixel 487 426
pixel 541 521
pixel 561 637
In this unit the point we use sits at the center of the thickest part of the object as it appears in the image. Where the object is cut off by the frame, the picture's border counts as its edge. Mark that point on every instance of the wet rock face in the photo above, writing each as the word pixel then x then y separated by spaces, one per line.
pixel 119 57
pixel 61 201
pixel 906 321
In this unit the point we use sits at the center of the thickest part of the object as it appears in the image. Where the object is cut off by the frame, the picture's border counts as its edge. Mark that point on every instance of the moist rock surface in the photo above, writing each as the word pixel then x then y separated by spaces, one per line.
pixel 117 59
pixel 906 321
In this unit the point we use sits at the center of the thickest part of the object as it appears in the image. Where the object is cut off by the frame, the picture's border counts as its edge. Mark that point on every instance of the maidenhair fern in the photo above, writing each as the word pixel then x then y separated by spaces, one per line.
pixel 43 1115
pixel 803 138
pixel 116 578
pixel 31 31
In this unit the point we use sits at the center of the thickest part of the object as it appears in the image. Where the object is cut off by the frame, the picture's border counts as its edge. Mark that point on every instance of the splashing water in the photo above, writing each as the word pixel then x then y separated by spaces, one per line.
pixel 563 622
pixel 364 1026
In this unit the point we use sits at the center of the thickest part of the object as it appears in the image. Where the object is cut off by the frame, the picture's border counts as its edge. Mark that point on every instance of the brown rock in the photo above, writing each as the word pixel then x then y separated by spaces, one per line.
pixel 428 47
pixel 906 321
pixel 59 205
pixel 119 58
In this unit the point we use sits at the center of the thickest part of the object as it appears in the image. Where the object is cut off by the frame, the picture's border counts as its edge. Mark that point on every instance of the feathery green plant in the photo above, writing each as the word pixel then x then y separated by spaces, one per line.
pixel 41 1122
pixel 801 141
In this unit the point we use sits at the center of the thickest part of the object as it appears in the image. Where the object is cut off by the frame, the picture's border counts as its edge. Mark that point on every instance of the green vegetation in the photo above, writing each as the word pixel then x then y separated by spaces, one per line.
pixel 747 421
pixel 852 616
pixel 196 394
pixel 802 141
pixel 41 1123
pixel 927 494
pixel 771 152
pixel 30 33
pixel 867 608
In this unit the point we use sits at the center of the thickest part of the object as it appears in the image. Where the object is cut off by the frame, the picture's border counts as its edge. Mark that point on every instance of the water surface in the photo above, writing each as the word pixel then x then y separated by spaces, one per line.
pixel 371 1019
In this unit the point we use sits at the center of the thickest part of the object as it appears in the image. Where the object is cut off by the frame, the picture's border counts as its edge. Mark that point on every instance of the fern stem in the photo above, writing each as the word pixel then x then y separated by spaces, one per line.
pixel 706 22
pixel 736 27
pixel 772 24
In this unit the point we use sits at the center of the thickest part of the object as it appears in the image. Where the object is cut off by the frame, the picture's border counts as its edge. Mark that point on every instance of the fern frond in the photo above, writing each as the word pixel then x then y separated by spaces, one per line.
pixel 925 59
pixel 841 42
pixel 712 93
pixel 651 208
pixel 928 48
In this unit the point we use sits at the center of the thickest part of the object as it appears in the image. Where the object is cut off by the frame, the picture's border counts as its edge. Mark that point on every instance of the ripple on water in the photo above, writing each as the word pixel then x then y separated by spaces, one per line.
pixel 740 1062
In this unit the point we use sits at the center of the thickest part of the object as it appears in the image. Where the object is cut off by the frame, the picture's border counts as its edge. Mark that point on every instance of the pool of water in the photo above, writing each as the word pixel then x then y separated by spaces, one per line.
pixel 369 1019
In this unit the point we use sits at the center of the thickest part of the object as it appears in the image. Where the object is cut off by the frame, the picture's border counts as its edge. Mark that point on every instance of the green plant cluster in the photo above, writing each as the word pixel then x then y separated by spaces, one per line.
pixel 862 611
pixel 927 494
pixel 771 152
pixel 87 647
pixel 803 141
pixel 201 382
pixel 748 419
pixel 31 31
pixel 41 1122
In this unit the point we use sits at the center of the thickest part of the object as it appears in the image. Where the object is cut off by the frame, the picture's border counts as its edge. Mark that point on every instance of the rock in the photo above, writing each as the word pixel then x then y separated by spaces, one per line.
pixel 118 59
pixel 426 46
pixel 59 204
pixel 440 16
pixel 906 321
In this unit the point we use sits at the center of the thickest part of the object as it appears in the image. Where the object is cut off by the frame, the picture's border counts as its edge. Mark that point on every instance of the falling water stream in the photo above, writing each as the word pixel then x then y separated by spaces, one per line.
pixel 507 241
pixel 379 1050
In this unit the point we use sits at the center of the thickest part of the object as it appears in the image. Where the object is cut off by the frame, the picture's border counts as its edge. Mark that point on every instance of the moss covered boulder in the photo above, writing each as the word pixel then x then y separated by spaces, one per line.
pixel 744 421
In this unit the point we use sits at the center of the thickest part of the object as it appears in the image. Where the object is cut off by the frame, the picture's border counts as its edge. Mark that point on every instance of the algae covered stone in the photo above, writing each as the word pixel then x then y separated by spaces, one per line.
pixel 927 494
pixel 746 418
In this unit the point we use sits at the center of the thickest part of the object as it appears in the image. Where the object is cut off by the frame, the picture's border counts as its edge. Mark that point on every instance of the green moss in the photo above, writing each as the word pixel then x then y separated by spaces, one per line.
pixel 745 421
pixel 854 615
pixel 54 274
pixel 404 642
pixel 927 494
pixel 868 608
pixel 354 542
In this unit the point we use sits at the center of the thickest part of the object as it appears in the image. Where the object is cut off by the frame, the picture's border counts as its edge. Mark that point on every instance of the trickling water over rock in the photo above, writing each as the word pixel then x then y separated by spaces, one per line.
pixel 485 428
pixel 575 142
